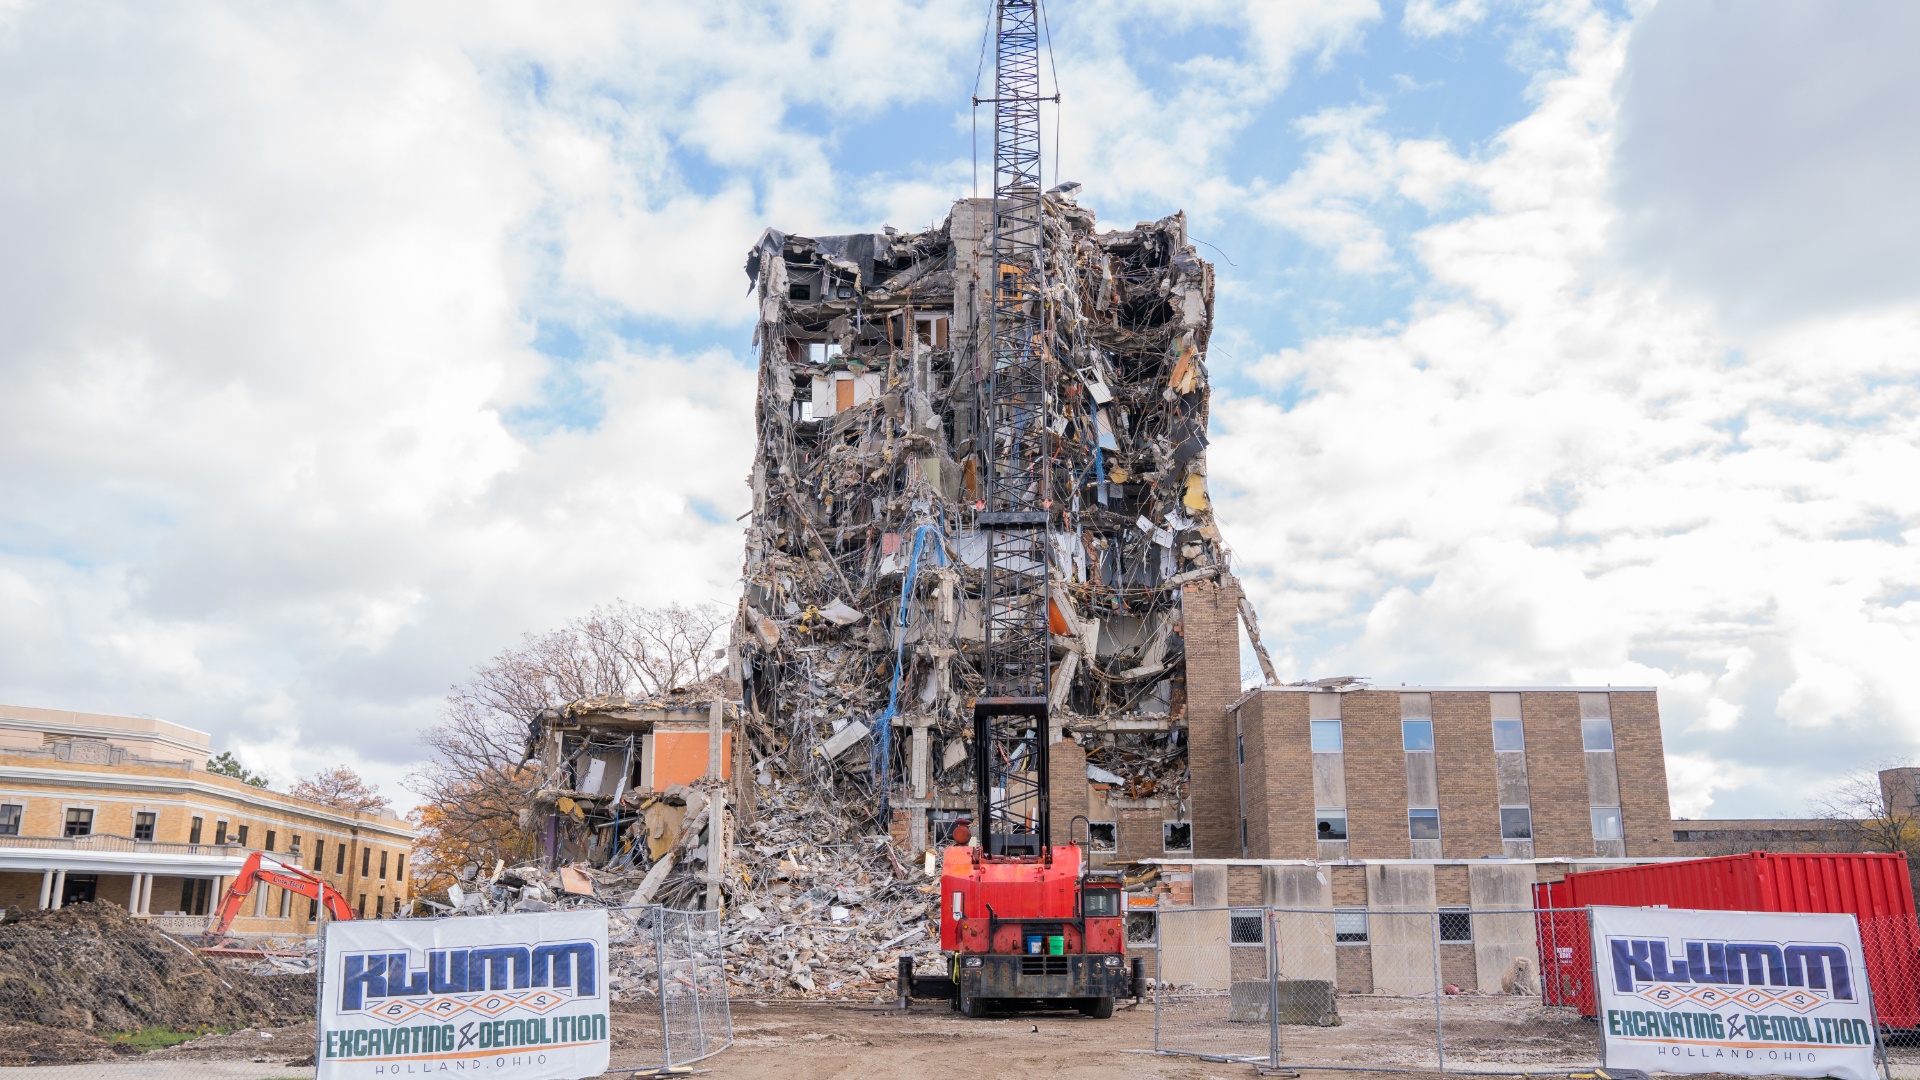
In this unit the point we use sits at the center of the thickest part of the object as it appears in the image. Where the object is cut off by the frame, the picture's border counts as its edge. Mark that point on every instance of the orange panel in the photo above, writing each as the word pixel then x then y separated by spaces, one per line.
pixel 680 757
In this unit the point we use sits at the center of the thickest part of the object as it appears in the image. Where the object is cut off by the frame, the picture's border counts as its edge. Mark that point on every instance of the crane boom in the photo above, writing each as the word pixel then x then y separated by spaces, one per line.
pixel 1010 715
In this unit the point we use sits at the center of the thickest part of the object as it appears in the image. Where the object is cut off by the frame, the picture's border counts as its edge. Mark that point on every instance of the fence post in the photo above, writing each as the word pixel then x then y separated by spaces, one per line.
pixel 1593 975
pixel 320 990
pixel 1159 971
pixel 1439 989
pixel 1273 990
pixel 660 978
pixel 693 971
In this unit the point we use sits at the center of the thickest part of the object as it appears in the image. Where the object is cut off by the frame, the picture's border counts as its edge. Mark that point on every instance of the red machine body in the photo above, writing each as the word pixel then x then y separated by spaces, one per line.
pixel 990 904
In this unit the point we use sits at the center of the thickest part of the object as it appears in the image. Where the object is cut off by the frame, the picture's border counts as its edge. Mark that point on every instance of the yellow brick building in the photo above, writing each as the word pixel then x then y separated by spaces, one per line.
pixel 122 808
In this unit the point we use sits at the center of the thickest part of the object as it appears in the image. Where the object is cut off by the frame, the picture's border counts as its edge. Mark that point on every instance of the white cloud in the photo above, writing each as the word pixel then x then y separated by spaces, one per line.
pixel 1561 471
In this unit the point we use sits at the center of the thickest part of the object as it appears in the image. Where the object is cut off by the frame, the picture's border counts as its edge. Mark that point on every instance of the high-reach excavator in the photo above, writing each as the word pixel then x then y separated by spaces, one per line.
pixel 262 869
pixel 1021 921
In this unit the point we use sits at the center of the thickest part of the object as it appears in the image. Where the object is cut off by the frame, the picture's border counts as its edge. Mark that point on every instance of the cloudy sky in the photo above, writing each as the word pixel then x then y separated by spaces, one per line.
pixel 340 344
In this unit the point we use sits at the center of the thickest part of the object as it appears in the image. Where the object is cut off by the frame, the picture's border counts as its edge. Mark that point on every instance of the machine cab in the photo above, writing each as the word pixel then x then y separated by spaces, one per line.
pixel 1100 896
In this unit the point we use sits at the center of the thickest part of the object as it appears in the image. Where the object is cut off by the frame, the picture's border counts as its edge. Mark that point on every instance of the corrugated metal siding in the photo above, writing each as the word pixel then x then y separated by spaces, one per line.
pixel 1875 888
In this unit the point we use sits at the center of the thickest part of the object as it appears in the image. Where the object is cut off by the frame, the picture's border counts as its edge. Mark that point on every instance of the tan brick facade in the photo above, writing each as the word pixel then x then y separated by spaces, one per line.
pixel 1469 806
pixel 1641 757
pixel 1210 630
pixel 1557 775
pixel 1376 765
pixel 1276 783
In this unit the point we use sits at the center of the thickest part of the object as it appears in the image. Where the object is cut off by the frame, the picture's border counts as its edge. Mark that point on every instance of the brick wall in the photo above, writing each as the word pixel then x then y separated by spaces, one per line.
pixel 1253 788
pixel 1285 821
pixel 1376 775
pixel 1641 759
pixel 1469 803
pixel 1067 791
pixel 1557 775
pixel 1138 834
pixel 1210 630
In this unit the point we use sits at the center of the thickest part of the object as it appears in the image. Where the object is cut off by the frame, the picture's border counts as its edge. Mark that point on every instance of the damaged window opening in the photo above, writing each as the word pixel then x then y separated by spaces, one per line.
pixel 1176 835
pixel 1102 836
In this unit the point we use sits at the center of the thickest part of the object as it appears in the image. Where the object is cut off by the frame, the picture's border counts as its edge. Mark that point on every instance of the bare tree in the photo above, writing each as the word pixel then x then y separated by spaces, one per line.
pixel 476 780
pixel 343 788
pixel 1869 813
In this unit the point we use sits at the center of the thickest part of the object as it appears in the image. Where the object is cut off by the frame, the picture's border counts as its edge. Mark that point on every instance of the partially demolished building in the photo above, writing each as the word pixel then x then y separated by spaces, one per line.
pixel 861 626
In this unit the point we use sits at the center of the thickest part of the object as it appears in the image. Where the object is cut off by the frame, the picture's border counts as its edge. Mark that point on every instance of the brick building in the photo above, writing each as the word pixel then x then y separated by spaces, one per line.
pixel 98 807
pixel 1438 773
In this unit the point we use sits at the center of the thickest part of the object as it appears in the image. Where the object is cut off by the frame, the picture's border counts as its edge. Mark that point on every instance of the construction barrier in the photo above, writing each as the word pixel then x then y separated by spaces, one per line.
pixel 1443 990
pixel 663 1004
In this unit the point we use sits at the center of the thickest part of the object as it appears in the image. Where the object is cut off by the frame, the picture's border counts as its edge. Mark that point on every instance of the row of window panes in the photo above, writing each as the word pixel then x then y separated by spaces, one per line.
pixel 1105 836
pixel 79 822
pixel 1350 925
pixel 1423 823
pixel 1417 735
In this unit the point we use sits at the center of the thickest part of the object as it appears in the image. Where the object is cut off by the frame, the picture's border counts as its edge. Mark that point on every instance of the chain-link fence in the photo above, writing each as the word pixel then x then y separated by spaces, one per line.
pixel 1449 989
pixel 123 1001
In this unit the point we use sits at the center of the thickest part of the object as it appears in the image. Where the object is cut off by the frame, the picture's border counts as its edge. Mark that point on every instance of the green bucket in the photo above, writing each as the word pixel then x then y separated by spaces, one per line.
pixel 1056 945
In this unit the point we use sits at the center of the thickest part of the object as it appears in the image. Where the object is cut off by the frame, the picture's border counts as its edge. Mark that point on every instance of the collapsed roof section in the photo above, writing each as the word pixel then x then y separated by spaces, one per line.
pixel 860 631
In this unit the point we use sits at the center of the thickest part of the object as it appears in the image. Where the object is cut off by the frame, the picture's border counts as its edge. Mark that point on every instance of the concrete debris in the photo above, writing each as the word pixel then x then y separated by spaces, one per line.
pixel 859 636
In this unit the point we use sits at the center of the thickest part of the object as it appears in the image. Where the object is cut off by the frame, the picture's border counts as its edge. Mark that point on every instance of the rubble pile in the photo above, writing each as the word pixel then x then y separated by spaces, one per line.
pixel 91 967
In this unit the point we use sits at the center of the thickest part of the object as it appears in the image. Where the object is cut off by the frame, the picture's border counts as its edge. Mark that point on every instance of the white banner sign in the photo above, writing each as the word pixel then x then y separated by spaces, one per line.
pixel 1742 992
pixel 503 996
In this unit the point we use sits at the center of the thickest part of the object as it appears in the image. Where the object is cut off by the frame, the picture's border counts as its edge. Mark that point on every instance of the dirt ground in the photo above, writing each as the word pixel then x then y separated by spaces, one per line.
pixel 873 1042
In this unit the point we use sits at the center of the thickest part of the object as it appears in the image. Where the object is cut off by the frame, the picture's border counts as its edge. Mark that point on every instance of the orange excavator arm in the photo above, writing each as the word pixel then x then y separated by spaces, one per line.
pixel 260 869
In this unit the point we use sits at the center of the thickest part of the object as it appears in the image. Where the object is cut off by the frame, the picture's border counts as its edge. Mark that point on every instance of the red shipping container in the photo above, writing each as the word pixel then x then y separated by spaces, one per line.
pixel 1876 889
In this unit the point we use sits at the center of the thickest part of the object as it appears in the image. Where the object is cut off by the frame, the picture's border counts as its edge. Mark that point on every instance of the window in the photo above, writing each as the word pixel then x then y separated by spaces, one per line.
pixel 79 822
pixel 380 907
pixel 1244 928
pixel 1350 925
pixel 1507 732
pixel 271 837
pixel 143 822
pixel 1330 824
pixel 366 860
pixel 319 854
pixel 1176 835
pixel 1456 924
pixel 1326 736
pixel 1423 824
pixel 1516 823
pixel 313 909
pixel 399 869
pixel 1416 734
pixel 340 859
pixel 1141 928
pixel 219 832
pixel 241 837
pixel 1596 734
pixel 363 907
pixel 10 819
pixel 1606 823
pixel 193 831
pixel 1103 836
pixel 1101 904
pixel 1509 735
pixel 383 866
